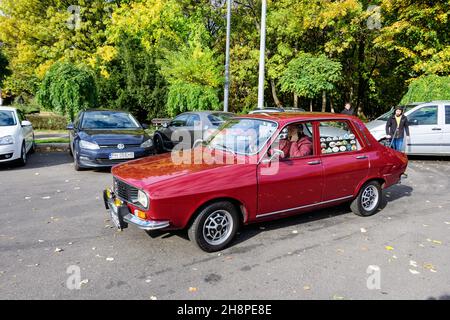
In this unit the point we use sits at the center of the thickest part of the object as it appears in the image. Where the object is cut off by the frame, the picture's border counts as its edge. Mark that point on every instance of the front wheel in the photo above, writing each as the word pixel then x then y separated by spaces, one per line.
pixel 23 156
pixel 368 200
pixel 214 227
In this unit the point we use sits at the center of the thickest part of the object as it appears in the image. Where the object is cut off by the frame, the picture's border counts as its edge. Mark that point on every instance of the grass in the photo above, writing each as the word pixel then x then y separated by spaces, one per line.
pixel 52 140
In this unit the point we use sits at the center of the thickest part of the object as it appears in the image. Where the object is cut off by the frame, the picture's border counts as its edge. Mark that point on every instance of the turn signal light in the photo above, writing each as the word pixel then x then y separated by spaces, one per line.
pixel 117 202
pixel 140 214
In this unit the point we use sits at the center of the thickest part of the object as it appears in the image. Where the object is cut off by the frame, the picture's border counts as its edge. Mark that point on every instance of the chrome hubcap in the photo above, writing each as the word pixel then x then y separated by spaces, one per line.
pixel 369 198
pixel 217 227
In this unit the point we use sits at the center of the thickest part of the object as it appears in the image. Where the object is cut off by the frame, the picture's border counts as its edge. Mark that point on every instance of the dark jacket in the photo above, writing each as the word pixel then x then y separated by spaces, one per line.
pixel 350 111
pixel 391 127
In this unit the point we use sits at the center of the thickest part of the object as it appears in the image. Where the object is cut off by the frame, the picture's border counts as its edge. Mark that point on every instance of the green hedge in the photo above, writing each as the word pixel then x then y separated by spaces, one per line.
pixel 47 121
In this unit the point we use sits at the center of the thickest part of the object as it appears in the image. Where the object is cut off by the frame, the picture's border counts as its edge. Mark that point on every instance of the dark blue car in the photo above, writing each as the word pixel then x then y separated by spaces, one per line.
pixel 103 138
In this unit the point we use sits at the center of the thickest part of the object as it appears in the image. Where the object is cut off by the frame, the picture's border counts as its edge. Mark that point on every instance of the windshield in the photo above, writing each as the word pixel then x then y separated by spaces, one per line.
pixel 389 114
pixel 7 119
pixel 243 136
pixel 109 120
pixel 219 118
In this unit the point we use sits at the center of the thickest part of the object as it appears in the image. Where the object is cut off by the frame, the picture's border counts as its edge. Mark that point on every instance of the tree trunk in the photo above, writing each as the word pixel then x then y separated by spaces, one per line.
pixel 324 101
pixel 331 105
pixel 295 100
pixel 274 94
pixel 311 105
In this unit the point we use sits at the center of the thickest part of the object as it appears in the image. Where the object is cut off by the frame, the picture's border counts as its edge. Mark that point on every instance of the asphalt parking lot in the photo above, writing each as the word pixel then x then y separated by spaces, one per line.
pixel 52 217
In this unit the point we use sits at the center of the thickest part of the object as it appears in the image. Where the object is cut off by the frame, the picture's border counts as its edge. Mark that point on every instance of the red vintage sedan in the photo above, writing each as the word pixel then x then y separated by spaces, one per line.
pixel 255 168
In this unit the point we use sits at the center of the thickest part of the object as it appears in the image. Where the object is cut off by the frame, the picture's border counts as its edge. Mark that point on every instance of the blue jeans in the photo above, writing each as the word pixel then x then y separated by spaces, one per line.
pixel 397 144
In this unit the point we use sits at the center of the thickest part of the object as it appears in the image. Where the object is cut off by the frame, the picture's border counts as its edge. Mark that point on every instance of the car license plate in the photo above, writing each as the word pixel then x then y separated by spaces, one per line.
pixel 114 215
pixel 121 155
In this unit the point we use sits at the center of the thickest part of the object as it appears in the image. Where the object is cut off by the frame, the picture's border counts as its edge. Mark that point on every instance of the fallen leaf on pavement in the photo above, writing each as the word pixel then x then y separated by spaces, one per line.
pixel 58 250
pixel 153 298
pixel 363 230
pixel 192 289
pixel 389 248
pixel 109 259
pixel 306 288
pixel 413 263
pixel 414 271
pixel 85 281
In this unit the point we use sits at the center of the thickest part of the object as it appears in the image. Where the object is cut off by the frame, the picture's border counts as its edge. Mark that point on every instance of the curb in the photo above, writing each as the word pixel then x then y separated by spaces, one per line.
pixel 52 147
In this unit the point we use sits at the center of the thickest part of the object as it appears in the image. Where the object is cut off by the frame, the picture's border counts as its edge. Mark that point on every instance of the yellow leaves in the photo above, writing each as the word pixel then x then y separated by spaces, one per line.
pixel 42 69
pixel 389 248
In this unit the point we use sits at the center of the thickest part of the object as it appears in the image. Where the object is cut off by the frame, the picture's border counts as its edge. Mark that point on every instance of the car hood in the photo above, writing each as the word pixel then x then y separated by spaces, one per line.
pixel 107 137
pixel 150 170
pixel 376 125
pixel 6 131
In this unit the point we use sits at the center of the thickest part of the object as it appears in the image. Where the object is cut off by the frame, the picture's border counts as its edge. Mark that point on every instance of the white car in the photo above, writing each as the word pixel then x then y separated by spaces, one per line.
pixel 16 136
pixel 429 127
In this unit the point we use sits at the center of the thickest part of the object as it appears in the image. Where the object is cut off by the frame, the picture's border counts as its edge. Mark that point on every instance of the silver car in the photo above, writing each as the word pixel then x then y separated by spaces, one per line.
pixel 429 126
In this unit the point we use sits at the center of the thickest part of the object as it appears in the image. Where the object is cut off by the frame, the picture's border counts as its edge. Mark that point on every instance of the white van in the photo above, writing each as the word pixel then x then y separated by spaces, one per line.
pixel 429 127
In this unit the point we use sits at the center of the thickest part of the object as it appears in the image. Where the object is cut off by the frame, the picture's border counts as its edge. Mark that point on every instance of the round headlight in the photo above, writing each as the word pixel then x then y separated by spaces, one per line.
pixel 142 198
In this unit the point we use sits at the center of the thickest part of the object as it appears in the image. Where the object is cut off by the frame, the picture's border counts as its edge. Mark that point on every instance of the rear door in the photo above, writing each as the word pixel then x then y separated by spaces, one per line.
pixel 345 159
pixel 425 126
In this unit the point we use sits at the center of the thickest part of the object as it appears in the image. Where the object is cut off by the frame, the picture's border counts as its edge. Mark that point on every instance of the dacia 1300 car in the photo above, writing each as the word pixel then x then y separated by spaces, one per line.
pixel 265 167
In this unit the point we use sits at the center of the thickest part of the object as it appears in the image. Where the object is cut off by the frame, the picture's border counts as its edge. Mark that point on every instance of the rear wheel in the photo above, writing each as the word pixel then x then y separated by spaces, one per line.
pixel 368 200
pixel 214 226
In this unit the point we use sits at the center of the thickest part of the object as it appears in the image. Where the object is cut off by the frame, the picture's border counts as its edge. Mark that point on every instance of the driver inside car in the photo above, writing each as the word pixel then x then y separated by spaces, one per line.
pixel 297 143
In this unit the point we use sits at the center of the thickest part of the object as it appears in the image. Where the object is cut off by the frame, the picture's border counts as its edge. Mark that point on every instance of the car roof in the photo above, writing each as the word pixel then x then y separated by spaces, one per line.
pixel 4 108
pixel 283 117
pixel 208 112
pixel 105 110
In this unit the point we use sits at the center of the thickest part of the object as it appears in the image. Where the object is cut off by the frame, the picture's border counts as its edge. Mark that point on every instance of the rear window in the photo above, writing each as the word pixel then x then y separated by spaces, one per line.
pixel 7 118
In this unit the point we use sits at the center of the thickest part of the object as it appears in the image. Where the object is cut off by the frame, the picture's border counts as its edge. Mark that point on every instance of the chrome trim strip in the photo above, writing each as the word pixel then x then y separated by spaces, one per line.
pixel 145 224
pixel 302 207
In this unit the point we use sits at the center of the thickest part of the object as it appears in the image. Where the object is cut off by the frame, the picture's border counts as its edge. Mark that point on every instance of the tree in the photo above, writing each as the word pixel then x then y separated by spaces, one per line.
pixel 68 89
pixel 308 75
pixel 427 88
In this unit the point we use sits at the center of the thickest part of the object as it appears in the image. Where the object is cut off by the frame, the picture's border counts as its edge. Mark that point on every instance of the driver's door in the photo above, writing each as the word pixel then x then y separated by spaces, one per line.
pixel 425 131
pixel 289 185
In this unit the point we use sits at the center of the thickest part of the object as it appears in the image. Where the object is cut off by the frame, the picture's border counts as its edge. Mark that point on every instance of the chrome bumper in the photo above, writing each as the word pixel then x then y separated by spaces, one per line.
pixel 121 215
pixel 145 224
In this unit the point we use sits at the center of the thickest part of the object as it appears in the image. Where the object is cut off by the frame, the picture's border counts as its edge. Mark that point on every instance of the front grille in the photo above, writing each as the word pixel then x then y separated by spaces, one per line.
pixel 114 146
pixel 125 192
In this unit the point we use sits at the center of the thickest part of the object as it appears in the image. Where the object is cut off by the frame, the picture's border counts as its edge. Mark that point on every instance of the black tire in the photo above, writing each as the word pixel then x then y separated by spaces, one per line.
pixel 70 151
pixel 223 211
pixel 22 161
pixel 76 163
pixel 159 145
pixel 368 200
pixel 33 146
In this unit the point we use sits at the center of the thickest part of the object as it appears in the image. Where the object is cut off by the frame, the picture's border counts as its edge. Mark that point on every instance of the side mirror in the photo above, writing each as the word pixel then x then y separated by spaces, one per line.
pixel 70 126
pixel 276 154
pixel 26 123
pixel 144 125
pixel 413 122
pixel 165 125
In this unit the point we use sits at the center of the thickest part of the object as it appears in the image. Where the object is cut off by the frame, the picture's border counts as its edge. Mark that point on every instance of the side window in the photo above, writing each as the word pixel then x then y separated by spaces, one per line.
pixel 337 137
pixel 193 118
pixel 424 116
pixel 295 140
pixel 179 121
pixel 447 114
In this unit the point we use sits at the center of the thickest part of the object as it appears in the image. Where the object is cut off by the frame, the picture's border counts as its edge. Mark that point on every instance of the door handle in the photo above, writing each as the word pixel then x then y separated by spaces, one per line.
pixel 436 129
pixel 361 157
pixel 312 163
